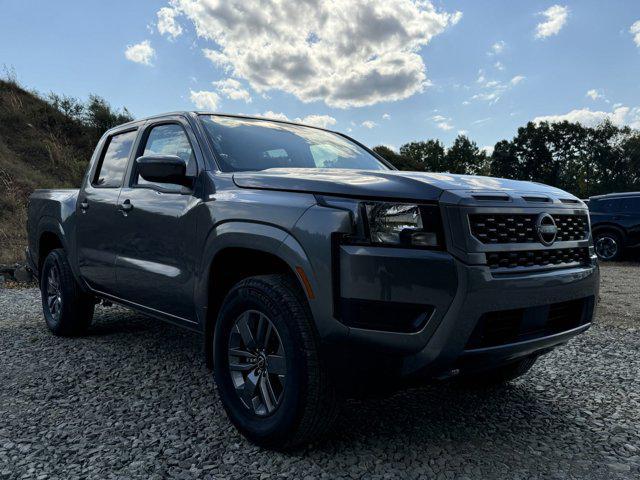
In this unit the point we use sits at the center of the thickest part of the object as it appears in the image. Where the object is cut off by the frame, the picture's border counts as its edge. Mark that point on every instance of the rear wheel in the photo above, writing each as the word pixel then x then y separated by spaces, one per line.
pixel 608 245
pixel 268 369
pixel 67 309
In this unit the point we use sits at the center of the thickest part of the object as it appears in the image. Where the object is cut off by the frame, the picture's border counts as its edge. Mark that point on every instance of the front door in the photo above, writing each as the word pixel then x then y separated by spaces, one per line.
pixel 97 218
pixel 155 266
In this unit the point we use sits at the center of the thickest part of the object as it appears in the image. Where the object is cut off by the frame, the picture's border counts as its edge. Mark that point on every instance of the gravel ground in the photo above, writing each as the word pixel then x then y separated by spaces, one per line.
pixel 134 400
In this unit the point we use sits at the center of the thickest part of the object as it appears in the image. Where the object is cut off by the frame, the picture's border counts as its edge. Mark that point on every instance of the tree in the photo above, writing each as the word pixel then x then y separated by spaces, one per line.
pixel 99 116
pixel 464 156
pixel 426 156
pixel 504 162
pixel 398 161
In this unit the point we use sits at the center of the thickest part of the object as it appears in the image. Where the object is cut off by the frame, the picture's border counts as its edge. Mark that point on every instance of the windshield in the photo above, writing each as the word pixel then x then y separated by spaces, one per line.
pixel 243 144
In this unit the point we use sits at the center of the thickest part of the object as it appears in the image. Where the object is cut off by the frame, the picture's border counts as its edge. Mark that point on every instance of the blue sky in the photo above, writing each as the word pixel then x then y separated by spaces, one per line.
pixel 387 72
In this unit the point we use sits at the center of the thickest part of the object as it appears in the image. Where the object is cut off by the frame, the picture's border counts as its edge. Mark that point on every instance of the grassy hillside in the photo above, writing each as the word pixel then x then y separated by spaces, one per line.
pixel 44 143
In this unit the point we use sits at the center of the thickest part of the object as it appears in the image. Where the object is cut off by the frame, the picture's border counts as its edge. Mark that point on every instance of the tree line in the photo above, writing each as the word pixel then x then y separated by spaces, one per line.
pixel 582 160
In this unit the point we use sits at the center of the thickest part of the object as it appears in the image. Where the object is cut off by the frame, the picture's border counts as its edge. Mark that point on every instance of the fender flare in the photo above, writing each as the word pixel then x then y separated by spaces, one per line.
pixel 261 237
pixel 49 224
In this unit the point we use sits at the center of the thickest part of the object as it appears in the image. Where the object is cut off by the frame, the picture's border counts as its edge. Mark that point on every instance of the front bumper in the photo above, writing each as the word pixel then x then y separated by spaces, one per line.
pixel 456 297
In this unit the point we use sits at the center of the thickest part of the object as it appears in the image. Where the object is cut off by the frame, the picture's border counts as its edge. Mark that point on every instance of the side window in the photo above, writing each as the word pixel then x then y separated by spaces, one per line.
pixel 168 139
pixel 113 164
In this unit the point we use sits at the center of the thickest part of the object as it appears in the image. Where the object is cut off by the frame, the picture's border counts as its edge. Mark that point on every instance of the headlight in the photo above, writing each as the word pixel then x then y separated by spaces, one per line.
pixel 404 224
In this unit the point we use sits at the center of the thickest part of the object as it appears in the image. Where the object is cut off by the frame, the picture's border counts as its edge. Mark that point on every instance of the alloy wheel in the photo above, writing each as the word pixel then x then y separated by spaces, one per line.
pixel 257 362
pixel 606 247
pixel 53 293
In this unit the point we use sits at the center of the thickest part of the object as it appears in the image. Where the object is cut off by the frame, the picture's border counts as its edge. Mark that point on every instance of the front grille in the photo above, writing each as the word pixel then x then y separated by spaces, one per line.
pixel 538 258
pixel 521 228
pixel 512 326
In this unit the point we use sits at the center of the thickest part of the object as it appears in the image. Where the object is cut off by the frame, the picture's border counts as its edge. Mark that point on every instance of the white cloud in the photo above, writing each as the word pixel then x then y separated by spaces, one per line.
pixel 204 100
pixel 594 94
pixel 463 132
pixel 341 52
pixel 219 59
pixel 481 121
pixel 274 115
pixel 497 48
pixel 386 116
pixel 488 149
pixel 635 31
pixel 499 65
pixel 442 122
pixel 492 90
pixel 322 121
pixel 369 124
pixel 141 52
pixel 556 18
pixel 233 89
pixel 167 23
pixel 620 116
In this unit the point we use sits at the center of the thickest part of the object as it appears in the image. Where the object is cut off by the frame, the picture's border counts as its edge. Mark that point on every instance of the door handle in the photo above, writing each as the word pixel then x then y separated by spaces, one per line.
pixel 84 205
pixel 125 206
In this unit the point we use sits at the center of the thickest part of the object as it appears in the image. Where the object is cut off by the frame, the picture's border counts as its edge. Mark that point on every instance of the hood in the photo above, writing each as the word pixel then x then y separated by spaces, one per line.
pixel 391 184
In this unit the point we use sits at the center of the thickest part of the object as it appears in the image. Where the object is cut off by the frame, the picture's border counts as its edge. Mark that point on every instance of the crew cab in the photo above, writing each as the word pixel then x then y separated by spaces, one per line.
pixel 312 268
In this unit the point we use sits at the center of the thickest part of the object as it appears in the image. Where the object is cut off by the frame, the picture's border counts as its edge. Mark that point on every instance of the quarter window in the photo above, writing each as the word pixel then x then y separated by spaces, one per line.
pixel 114 160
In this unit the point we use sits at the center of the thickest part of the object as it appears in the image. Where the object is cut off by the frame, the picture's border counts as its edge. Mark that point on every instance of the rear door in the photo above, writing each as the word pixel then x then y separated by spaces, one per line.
pixel 155 266
pixel 97 217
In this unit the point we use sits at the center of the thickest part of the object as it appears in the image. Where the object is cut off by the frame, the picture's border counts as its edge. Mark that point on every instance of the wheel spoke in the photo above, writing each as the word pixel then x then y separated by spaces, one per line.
pixel 266 393
pixel 241 367
pixel 245 331
pixel 248 390
pixel 277 364
pixel 236 352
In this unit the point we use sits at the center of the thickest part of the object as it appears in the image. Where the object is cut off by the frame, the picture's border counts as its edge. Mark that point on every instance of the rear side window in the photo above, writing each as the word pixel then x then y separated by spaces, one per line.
pixel 110 172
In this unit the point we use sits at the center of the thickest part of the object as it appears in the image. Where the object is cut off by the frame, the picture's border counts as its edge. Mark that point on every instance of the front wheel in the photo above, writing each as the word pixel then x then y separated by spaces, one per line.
pixel 608 245
pixel 68 310
pixel 267 365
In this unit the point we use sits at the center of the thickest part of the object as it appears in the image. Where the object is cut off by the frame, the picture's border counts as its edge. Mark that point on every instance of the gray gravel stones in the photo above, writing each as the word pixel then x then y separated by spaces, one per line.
pixel 133 399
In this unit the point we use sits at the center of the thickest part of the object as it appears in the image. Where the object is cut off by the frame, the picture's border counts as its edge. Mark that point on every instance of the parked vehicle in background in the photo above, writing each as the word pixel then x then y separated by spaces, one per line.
pixel 615 223
pixel 313 269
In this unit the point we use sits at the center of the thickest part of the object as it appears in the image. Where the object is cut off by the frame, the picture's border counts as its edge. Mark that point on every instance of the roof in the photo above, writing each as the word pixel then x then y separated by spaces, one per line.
pixel 615 195
pixel 186 113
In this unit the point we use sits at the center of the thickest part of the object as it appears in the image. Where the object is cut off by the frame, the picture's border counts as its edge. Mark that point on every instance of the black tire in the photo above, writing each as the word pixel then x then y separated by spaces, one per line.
pixel 499 376
pixel 608 245
pixel 74 311
pixel 307 404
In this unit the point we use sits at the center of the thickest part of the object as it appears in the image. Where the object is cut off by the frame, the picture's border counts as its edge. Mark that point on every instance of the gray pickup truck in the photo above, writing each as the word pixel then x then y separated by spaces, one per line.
pixel 312 268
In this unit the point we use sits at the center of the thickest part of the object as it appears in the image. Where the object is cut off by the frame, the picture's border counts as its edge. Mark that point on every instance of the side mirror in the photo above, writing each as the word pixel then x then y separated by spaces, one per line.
pixel 163 169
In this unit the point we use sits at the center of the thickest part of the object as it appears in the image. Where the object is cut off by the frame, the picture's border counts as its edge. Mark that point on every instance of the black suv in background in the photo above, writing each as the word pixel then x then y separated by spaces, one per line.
pixel 615 223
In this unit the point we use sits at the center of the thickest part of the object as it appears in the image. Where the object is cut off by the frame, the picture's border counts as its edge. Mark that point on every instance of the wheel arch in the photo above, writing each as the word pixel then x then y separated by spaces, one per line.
pixel 50 236
pixel 609 227
pixel 237 250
